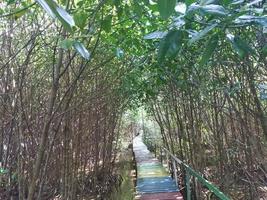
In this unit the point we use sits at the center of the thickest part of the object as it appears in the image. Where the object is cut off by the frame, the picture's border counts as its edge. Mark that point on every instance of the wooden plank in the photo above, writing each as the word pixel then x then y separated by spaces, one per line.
pixel 161 196
pixel 154 173
pixel 153 181
pixel 156 185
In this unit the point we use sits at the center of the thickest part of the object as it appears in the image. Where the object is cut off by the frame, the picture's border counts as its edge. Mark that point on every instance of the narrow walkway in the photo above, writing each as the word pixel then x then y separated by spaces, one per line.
pixel 153 181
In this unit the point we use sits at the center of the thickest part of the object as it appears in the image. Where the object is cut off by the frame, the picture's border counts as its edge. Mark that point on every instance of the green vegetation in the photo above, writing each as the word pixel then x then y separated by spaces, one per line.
pixel 72 71
pixel 126 190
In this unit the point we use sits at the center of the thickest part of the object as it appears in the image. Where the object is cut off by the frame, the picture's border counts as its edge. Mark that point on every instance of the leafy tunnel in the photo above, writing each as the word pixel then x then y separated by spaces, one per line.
pixel 80 78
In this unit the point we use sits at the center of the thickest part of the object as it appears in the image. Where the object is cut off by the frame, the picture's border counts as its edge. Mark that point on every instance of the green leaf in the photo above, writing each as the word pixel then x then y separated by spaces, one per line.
pixel 178 22
pixel 65 18
pixel 166 8
pixel 107 23
pixel 66 44
pixel 240 46
pixel 80 19
pixel 55 11
pixel 237 2
pixel 81 50
pixel 214 9
pixel 138 9
pixel 181 9
pixel 226 2
pixel 253 3
pixel 206 2
pixel 9 2
pixel 155 35
pixel 202 33
pixel 208 9
pixel 119 12
pixel 170 45
pixel 48 6
pixel 252 19
pixel 117 2
pixel 80 3
pixel 189 2
pixel 209 50
pixel 119 53
pixel 264 50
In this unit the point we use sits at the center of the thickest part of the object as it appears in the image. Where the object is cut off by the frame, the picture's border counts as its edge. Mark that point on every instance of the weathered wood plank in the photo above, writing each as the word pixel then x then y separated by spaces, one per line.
pixel 161 196
pixel 153 181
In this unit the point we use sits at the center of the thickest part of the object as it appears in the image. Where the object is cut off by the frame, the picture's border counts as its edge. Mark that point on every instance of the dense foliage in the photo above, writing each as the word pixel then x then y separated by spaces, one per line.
pixel 70 69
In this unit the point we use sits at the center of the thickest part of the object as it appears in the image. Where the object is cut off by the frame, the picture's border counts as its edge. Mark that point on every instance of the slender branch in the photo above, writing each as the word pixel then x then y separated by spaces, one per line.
pixel 17 11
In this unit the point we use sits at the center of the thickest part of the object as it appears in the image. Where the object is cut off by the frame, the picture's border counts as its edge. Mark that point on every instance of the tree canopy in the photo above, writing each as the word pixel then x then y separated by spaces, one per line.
pixel 70 69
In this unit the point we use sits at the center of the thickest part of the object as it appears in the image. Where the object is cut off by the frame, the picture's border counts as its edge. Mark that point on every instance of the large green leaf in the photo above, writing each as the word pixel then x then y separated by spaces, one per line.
pixel 189 2
pixel 81 50
pixel 206 2
pixel 56 11
pixel 237 2
pixel 170 45
pixel 65 18
pixel 80 19
pixel 79 47
pixel 240 46
pixel 48 6
pixel 209 9
pixel 107 23
pixel 209 50
pixel 252 19
pixel 214 9
pixel 166 8
pixel 254 2
pixel 66 44
pixel 202 33
pixel 155 35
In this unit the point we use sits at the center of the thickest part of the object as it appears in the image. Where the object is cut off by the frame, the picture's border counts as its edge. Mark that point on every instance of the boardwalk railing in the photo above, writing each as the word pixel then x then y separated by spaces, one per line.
pixel 189 173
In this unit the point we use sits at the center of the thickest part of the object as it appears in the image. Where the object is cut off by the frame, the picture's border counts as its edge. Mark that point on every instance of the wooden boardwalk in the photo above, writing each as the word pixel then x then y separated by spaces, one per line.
pixel 153 181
